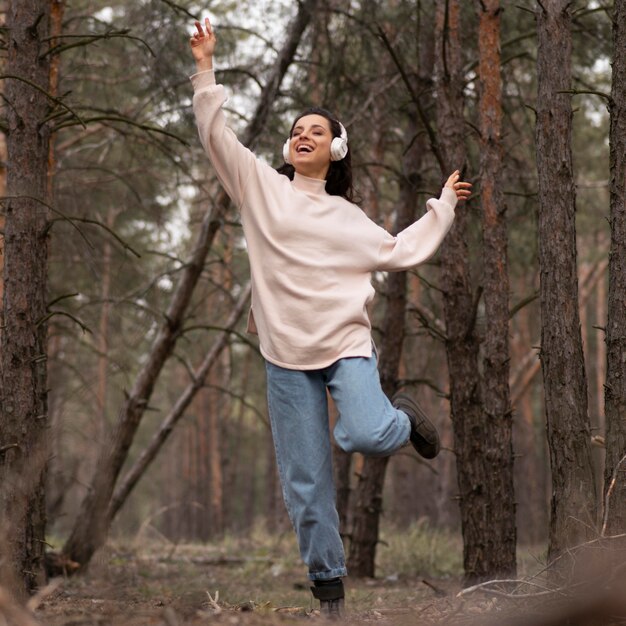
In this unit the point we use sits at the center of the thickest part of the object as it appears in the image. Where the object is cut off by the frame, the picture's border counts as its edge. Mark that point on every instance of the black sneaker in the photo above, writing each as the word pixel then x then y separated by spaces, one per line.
pixel 330 593
pixel 424 436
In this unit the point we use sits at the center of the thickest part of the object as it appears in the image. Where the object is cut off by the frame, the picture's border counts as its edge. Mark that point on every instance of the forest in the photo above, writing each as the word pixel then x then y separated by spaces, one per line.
pixel 133 412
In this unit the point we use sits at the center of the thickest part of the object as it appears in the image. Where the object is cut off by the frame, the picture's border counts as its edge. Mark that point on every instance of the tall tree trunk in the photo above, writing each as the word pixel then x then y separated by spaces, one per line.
pixel 342 466
pixel 92 524
pixel 235 444
pixel 462 342
pixel 23 387
pixel 573 507
pixel 103 333
pixel 3 184
pixel 368 495
pixel 600 353
pixel 530 465
pixel 217 413
pixel 615 394
pixel 530 365
pixel 495 505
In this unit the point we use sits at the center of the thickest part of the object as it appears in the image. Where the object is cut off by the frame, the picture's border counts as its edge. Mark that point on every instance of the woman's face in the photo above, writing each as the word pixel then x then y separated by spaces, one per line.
pixel 309 148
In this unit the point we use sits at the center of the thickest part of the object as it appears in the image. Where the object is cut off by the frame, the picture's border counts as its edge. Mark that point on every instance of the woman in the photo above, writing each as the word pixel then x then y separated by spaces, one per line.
pixel 311 253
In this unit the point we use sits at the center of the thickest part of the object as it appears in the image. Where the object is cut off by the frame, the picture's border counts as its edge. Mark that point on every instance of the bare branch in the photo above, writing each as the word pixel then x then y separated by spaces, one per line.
pixel 124 120
pixel 577 92
pixel 46 93
pixel 45 318
pixel 87 220
pixel 609 493
pixel 88 39
pixel 434 145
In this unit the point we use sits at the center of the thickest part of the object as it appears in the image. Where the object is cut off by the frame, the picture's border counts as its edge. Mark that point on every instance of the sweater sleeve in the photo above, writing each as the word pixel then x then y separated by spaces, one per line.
pixel 420 241
pixel 233 162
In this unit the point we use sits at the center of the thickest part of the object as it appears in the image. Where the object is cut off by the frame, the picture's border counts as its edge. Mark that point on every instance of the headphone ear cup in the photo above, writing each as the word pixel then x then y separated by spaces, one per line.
pixel 338 149
pixel 286 147
pixel 339 145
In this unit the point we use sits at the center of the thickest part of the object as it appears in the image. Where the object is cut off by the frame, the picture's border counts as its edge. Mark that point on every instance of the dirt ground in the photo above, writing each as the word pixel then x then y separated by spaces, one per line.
pixel 200 585
pixel 251 584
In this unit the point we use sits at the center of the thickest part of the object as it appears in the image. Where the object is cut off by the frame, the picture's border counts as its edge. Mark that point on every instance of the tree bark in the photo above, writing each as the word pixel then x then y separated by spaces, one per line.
pixel 23 387
pixel 462 341
pixel 342 467
pixel 600 352
pixel 530 363
pixel 615 389
pixel 3 192
pixel 368 496
pixel 573 505
pixel 103 332
pixel 495 505
pixel 92 524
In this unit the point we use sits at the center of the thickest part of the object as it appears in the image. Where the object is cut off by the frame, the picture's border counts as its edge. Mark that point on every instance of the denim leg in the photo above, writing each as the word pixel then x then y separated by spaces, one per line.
pixel 368 422
pixel 299 416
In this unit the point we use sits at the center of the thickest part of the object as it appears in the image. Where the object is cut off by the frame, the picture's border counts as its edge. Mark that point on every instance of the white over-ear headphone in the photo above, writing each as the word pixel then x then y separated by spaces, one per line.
pixel 338 146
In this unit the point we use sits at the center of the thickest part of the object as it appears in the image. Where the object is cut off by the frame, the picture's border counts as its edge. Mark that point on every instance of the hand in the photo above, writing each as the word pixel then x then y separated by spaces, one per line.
pixel 462 189
pixel 203 45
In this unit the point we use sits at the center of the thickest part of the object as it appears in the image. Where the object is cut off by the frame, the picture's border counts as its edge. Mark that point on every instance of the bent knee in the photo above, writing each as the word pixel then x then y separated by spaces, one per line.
pixel 371 444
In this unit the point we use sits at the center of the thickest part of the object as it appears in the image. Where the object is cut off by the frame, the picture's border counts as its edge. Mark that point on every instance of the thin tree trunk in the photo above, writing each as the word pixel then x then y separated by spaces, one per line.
pixel 235 445
pixel 342 465
pixel 23 386
pixel 103 334
pixel 462 342
pixel 151 450
pixel 216 415
pixel 92 524
pixel 495 505
pixel 615 390
pixel 573 507
pixel 3 186
pixel 271 485
pixel 600 352
pixel 368 493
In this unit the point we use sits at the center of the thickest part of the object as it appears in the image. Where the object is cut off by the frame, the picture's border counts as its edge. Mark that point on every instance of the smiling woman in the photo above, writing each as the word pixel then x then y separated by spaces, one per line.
pixel 312 252
pixel 316 132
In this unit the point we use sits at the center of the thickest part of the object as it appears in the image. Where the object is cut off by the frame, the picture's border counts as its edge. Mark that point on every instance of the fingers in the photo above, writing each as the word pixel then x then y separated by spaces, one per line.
pixel 461 188
pixel 207 32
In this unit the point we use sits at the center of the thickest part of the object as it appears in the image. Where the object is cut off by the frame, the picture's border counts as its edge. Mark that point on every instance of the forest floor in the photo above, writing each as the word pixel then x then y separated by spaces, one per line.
pixel 256 581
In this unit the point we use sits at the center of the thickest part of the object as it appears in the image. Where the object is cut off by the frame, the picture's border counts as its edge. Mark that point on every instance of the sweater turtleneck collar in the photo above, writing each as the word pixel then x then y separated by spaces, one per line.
pixel 309 185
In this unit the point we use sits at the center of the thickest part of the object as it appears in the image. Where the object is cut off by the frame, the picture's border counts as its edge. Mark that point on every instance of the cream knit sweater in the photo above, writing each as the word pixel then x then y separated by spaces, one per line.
pixel 311 254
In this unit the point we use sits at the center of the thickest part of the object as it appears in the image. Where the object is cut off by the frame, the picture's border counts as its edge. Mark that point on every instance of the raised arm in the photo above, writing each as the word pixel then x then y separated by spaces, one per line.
pixel 232 161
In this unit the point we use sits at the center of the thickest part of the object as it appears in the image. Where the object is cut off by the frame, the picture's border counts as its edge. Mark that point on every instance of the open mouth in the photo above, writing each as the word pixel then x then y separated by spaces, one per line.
pixel 304 149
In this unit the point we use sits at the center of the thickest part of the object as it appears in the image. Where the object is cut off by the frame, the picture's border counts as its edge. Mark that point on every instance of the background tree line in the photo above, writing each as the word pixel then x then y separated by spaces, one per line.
pixel 125 276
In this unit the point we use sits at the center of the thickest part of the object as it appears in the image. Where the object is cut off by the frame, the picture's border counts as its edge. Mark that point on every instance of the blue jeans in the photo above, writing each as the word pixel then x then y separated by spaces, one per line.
pixel 367 423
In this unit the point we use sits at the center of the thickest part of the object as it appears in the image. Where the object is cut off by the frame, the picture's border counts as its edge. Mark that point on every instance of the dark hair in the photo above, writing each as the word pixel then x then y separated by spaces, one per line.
pixel 339 177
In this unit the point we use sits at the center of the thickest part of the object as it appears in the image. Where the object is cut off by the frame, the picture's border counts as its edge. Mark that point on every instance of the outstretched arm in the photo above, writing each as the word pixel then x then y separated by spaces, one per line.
pixel 420 241
pixel 203 44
